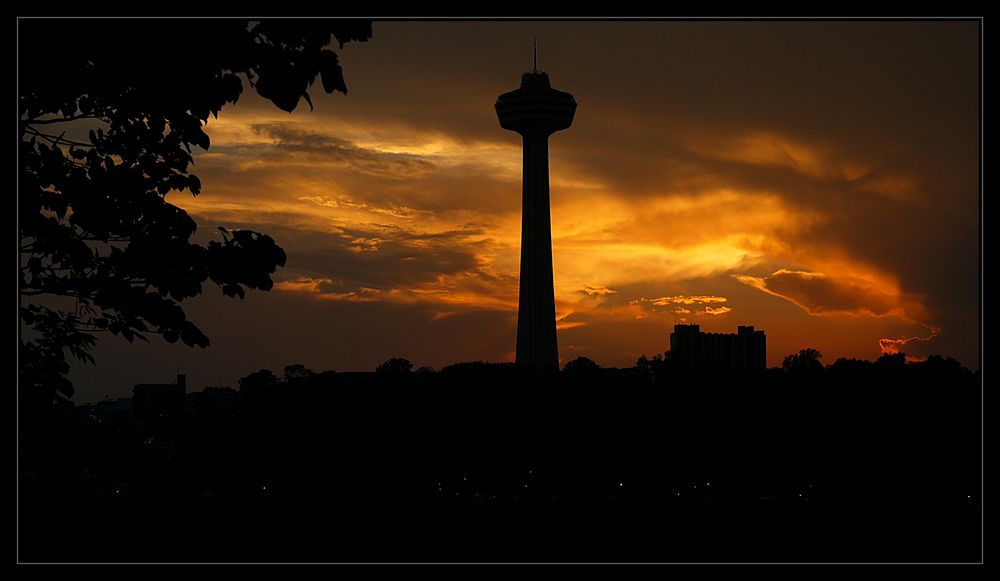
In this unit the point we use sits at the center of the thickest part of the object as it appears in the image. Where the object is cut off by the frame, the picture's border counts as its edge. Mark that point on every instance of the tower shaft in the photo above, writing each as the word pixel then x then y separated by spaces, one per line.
pixel 537 345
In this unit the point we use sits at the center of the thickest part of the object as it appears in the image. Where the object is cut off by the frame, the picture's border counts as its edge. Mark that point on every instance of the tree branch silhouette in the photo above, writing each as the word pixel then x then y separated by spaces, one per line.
pixel 101 249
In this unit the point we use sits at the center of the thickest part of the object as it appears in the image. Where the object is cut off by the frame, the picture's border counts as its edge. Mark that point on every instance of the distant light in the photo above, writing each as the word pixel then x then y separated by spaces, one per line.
pixel 464 478
pixel 968 496
pixel 530 472
pixel 525 485
pixel 800 495
pixel 708 484
pixel 696 486
pixel 263 488
pixel 620 484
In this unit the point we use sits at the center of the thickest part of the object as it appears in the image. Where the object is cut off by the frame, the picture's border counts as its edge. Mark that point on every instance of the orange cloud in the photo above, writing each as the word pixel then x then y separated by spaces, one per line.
pixel 771 149
pixel 818 293
pixel 324 288
pixel 655 305
pixel 303 284
pixel 891 346
pixel 366 244
pixel 345 202
pixel 902 188
pixel 599 290
pixel 687 300
pixel 456 291
pixel 562 322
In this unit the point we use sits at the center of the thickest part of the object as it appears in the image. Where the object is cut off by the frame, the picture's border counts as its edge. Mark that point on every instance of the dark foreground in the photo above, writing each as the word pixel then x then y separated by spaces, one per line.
pixel 623 530
pixel 858 462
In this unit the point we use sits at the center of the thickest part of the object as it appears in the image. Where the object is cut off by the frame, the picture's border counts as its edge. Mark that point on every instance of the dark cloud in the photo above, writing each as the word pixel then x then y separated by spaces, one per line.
pixel 822 294
pixel 382 256
pixel 291 143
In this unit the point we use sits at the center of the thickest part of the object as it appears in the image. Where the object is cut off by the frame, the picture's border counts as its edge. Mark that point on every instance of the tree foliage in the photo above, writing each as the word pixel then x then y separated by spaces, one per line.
pixel 805 361
pixel 297 372
pixel 110 112
pixel 582 366
pixel 258 381
pixel 394 367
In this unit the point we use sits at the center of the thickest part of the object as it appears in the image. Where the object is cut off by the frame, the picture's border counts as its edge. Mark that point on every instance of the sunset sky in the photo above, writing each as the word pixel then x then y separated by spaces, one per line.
pixel 819 180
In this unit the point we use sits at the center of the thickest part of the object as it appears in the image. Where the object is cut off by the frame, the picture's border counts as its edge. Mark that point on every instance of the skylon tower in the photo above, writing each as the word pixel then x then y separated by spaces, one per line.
pixel 536 111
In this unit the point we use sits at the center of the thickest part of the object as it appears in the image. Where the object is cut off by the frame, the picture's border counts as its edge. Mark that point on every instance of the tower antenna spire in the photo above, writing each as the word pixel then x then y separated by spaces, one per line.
pixel 535 53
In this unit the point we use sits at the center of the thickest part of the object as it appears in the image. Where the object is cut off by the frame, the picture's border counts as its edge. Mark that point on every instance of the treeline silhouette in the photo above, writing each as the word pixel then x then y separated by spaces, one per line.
pixel 855 461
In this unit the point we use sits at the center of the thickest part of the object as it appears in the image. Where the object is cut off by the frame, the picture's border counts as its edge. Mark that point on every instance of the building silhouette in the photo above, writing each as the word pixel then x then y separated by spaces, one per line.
pixel 119 409
pixel 211 402
pixel 536 111
pixel 745 349
pixel 159 402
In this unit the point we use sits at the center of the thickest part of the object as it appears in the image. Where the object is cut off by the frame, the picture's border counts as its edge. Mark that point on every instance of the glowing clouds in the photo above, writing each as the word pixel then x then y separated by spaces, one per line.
pixel 820 294
pixel 901 188
pixel 326 289
pixel 302 285
pixel 667 238
pixel 892 346
pixel 292 144
pixel 686 300
pixel 679 305
pixel 770 149
pixel 562 322
pixel 599 290
pixel 346 203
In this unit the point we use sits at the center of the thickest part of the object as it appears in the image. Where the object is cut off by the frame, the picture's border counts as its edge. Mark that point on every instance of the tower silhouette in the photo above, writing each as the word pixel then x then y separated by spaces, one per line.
pixel 536 111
